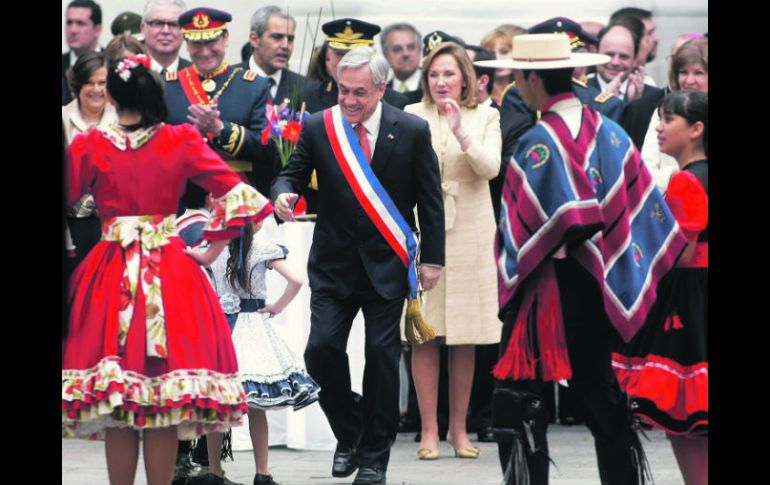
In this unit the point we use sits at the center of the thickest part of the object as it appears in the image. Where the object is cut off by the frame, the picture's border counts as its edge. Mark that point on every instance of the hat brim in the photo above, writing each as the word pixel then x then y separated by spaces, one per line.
pixel 578 59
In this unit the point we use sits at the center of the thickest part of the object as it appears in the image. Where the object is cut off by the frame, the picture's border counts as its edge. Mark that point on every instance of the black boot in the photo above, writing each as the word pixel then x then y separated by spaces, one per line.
pixel 520 420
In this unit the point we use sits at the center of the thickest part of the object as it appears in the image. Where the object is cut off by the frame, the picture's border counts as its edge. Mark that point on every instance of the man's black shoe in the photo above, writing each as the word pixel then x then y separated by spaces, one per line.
pixel 368 475
pixel 486 435
pixel 264 480
pixel 344 461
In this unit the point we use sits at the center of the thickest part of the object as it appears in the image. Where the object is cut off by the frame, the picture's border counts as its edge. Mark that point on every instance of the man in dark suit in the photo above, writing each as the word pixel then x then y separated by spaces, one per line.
pixel 272 43
pixel 400 43
pixel 624 74
pixel 163 35
pixel 226 103
pixel 342 35
pixel 83 28
pixel 351 265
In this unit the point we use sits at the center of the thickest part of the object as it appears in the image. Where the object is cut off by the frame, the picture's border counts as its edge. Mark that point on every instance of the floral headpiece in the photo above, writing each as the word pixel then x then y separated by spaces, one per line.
pixel 130 62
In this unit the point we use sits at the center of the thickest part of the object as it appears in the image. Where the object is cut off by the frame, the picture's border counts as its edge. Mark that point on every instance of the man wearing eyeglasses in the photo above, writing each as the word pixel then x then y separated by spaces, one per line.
pixel 163 35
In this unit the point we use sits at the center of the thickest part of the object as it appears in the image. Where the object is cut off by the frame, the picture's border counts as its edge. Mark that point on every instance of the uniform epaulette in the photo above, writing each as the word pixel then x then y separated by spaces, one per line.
pixel 603 97
pixel 250 75
pixel 172 76
pixel 580 82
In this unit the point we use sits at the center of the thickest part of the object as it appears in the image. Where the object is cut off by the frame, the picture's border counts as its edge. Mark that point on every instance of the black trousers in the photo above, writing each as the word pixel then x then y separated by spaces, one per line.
pixel 597 396
pixel 368 423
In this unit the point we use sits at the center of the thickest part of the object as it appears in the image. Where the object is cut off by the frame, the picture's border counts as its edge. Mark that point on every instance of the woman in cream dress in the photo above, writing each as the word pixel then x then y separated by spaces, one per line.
pixel 463 306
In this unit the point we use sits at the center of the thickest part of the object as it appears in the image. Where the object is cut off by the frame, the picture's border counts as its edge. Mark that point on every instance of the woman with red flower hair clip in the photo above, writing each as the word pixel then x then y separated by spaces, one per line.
pixel 664 369
pixel 149 353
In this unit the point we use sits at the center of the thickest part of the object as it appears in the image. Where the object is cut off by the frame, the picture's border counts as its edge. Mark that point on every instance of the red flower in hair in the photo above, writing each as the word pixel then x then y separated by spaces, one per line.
pixel 141 59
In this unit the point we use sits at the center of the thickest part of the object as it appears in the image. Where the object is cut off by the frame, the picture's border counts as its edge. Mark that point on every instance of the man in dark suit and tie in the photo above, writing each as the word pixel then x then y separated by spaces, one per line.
pixel 625 76
pixel 272 42
pixel 83 28
pixel 400 43
pixel 351 265
pixel 163 35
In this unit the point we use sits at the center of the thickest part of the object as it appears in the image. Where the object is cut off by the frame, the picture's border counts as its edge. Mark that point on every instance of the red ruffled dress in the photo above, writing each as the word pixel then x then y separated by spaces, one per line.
pixel 149 346
pixel 664 369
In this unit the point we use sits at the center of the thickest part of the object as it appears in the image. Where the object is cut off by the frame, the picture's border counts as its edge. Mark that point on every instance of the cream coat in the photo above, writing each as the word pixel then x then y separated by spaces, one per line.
pixel 73 121
pixel 463 306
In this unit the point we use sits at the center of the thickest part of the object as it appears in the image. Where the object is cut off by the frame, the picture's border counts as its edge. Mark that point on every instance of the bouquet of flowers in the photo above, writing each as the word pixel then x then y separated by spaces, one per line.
pixel 283 127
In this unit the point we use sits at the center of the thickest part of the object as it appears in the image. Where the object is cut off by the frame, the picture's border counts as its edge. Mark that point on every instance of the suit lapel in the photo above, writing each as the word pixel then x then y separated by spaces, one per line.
pixel 386 139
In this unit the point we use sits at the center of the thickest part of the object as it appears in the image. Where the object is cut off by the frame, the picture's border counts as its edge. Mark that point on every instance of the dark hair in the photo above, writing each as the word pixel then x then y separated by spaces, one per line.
pixel 555 81
pixel 316 68
pixel 121 42
pixel 143 92
pixel 80 73
pixel 693 106
pixel 246 52
pixel 633 25
pixel 194 196
pixel 468 92
pixel 484 55
pixel 96 10
pixel 240 278
pixel 639 13
pixel 691 52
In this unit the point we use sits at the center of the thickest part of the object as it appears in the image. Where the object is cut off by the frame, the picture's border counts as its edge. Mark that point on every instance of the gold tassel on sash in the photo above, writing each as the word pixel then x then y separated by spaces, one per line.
pixel 416 329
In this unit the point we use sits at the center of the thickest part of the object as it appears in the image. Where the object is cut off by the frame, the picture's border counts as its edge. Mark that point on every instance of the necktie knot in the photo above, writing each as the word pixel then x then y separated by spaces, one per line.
pixel 360 130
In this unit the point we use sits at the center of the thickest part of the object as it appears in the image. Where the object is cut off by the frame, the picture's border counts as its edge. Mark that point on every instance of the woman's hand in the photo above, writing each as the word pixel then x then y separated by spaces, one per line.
pixel 455 120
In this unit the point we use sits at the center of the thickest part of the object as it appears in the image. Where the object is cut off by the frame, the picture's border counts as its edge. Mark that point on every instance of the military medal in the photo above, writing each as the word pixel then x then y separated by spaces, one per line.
pixel 209 85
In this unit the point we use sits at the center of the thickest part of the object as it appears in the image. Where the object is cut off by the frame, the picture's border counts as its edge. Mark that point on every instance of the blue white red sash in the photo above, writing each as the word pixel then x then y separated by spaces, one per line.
pixel 370 193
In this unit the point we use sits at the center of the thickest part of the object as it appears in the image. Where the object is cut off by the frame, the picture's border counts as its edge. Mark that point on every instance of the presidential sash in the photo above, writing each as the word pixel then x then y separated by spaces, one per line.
pixel 370 193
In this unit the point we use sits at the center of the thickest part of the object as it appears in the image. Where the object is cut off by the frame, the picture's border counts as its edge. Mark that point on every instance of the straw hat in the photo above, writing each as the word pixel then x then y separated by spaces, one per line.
pixel 544 51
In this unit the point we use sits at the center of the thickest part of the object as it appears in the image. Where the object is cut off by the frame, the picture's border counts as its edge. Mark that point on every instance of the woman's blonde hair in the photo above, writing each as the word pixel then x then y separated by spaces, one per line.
pixel 468 92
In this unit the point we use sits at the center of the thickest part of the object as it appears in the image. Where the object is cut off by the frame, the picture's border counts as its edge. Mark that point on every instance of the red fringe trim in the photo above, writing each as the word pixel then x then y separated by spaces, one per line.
pixel 518 362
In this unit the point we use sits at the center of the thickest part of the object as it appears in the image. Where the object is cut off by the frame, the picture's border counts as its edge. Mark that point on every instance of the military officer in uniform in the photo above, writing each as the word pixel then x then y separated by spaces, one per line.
pixel 225 103
pixel 342 35
pixel 607 104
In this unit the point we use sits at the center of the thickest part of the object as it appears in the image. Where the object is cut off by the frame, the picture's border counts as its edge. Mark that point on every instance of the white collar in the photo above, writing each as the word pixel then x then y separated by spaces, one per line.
pixel 255 67
pixel 372 125
pixel 571 111
pixel 134 139
pixel 157 67
pixel 412 82
pixel 603 85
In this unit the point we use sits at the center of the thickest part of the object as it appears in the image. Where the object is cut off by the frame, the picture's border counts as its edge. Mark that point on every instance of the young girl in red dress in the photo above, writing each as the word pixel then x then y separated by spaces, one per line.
pixel 664 369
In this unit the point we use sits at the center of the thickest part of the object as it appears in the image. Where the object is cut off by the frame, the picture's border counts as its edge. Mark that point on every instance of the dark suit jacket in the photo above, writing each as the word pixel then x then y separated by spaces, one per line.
pixel 513 124
pixel 345 240
pixel 413 96
pixel 66 96
pixel 291 82
pixel 183 63
pixel 639 113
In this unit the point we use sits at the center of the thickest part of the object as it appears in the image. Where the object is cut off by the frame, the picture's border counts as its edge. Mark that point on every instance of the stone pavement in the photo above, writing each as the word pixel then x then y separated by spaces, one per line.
pixel 572 449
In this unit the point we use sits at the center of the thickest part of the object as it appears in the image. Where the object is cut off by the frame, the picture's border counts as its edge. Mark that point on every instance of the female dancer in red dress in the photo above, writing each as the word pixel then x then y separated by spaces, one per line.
pixel 149 352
